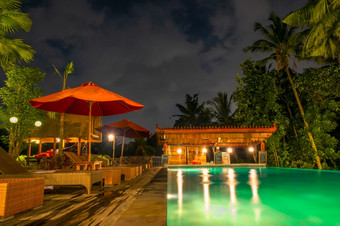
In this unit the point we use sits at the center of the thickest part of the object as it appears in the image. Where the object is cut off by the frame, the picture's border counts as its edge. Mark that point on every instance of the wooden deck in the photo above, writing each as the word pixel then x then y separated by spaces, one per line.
pixel 71 206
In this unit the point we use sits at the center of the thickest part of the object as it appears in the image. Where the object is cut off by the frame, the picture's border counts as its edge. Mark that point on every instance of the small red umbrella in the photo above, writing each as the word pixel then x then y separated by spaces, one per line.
pixel 125 128
pixel 87 99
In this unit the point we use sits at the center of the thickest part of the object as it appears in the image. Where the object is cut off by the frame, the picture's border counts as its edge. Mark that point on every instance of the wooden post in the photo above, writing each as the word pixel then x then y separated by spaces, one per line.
pixel 40 146
pixel 262 147
pixel 54 145
pixel 90 129
pixel 186 155
pixel 29 147
pixel 121 154
pixel 79 146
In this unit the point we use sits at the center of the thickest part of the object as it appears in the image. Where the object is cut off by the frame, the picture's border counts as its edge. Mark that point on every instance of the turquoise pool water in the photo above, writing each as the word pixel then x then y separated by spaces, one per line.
pixel 253 196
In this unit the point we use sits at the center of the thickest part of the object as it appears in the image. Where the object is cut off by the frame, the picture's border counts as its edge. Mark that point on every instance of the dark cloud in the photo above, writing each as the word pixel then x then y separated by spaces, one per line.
pixel 153 52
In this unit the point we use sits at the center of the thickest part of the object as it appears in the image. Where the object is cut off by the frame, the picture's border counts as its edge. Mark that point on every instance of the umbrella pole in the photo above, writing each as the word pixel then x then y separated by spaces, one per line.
pixel 121 154
pixel 90 129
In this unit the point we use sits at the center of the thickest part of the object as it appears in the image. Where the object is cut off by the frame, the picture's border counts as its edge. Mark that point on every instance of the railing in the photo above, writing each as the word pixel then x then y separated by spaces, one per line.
pixel 157 161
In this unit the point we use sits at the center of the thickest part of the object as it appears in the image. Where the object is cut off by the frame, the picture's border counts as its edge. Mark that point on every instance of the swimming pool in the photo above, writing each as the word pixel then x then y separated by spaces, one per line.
pixel 253 196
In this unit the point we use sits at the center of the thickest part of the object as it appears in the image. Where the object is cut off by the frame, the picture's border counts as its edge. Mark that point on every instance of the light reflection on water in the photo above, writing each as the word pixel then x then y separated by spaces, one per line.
pixel 246 196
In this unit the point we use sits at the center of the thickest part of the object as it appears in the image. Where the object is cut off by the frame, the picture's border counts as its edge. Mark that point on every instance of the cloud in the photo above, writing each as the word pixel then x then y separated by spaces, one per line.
pixel 153 52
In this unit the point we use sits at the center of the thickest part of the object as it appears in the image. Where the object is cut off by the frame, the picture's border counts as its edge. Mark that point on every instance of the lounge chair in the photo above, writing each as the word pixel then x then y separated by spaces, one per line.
pixel 113 162
pixel 10 168
pixel 83 164
pixel 105 162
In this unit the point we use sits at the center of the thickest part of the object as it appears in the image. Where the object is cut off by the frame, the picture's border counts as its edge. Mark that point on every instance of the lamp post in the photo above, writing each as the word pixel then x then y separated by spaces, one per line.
pixel 112 138
pixel 37 124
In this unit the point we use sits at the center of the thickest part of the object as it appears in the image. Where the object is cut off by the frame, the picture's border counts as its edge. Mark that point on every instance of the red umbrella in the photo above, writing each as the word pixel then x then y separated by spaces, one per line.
pixel 125 128
pixel 88 99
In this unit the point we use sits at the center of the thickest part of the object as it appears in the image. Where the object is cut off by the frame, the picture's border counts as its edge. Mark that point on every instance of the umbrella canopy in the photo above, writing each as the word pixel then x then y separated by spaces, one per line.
pixel 125 128
pixel 132 130
pixel 76 101
pixel 88 99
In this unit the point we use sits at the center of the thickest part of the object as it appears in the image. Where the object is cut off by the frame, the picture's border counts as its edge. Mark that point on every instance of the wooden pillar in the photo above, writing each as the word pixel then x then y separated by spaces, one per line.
pixel 40 146
pixel 54 146
pixel 262 147
pixel 79 146
pixel 186 155
pixel 29 147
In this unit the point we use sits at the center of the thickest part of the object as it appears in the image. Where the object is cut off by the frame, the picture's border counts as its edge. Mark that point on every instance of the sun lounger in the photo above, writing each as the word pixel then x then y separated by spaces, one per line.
pixel 8 165
pixel 111 176
pixel 84 178
pixel 82 164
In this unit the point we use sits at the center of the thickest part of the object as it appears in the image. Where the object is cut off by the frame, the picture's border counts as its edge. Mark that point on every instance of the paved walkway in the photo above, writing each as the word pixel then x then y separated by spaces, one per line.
pixel 150 208
pixel 140 201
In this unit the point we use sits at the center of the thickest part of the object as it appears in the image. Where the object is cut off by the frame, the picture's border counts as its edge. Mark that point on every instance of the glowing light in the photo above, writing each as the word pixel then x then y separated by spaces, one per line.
pixel 205 175
pixel 230 150
pixel 36 141
pixel 204 150
pixel 206 190
pixel 179 151
pixel 171 196
pixel 254 183
pixel 232 186
pixel 180 191
pixel 218 148
pixel 37 123
pixel 58 140
pixel 251 149
pixel 13 119
pixel 111 137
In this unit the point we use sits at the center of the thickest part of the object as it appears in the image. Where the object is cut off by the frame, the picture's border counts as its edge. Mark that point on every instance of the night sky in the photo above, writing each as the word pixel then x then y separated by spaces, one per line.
pixel 152 52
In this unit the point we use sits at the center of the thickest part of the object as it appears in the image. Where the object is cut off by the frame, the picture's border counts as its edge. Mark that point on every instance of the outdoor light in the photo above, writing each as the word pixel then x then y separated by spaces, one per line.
pixel 111 137
pixel 37 123
pixel 179 151
pixel 230 150
pixel 251 149
pixel 13 119
pixel 218 148
pixel 58 140
pixel 204 150
pixel 36 141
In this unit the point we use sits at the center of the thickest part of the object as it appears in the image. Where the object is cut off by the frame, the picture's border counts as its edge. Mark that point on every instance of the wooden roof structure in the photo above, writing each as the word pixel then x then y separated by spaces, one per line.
pixel 75 127
pixel 214 136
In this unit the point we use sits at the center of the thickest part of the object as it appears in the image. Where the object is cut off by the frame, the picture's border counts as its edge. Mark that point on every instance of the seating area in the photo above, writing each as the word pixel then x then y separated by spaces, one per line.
pixel 13 176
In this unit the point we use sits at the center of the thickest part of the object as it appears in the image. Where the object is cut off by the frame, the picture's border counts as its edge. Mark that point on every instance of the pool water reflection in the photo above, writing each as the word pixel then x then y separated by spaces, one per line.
pixel 253 196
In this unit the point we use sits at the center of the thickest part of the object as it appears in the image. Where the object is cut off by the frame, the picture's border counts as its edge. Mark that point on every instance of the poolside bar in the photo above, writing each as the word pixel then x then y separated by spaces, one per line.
pixel 190 145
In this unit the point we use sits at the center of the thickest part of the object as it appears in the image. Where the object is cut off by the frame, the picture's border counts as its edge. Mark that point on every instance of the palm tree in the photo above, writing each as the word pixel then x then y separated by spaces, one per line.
pixel 193 114
pixel 141 147
pixel 12 20
pixel 68 70
pixel 321 18
pixel 282 42
pixel 221 109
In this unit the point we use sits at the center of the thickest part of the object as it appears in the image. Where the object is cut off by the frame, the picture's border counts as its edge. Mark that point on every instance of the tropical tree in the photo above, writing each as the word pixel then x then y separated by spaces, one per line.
pixel 193 114
pixel 221 109
pixel 141 147
pixel 322 20
pixel 282 42
pixel 68 70
pixel 12 20
pixel 20 87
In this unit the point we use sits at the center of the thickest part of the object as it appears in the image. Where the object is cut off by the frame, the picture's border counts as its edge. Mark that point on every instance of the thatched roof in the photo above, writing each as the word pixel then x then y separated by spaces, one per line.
pixel 75 126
